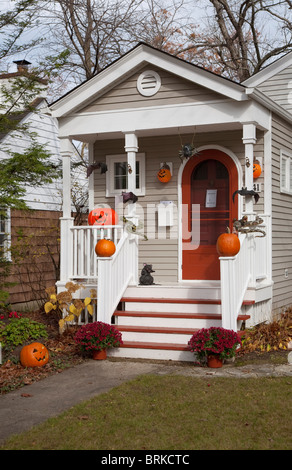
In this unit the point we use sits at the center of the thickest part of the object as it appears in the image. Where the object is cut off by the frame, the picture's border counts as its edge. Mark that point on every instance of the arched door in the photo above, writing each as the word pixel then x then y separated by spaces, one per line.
pixel 208 182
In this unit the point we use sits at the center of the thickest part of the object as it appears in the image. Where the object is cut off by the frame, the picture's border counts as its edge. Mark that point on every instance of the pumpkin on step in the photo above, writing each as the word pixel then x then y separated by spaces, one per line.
pixel 228 244
pixel 105 248
pixel 34 355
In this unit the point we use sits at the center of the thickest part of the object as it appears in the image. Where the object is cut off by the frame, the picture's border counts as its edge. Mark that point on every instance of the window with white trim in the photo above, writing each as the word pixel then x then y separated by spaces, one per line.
pixel 286 172
pixel 117 174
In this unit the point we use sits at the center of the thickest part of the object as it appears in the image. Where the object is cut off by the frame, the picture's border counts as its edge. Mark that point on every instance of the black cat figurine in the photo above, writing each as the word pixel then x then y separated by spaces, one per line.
pixel 146 279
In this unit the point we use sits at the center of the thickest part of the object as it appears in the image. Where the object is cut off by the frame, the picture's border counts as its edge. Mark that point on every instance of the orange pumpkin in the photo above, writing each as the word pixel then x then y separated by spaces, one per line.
pixel 228 244
pixel 164 175
pixel 34 355
pixel 105 248
pixel 102 216
pixel 256 170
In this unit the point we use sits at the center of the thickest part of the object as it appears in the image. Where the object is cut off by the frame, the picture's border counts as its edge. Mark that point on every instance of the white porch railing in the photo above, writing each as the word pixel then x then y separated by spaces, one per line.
pixel 115 274
pixel 84 239
pixel 112 274
pixel 235 274
pixel 244 270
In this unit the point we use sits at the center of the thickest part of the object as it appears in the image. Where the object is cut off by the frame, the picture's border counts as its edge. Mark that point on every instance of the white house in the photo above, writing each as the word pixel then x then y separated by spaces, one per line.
pixel 137 115
pixel 41 223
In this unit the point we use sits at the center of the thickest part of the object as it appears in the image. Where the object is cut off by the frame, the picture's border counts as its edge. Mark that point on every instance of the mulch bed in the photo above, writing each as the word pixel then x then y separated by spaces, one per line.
pixel 64 353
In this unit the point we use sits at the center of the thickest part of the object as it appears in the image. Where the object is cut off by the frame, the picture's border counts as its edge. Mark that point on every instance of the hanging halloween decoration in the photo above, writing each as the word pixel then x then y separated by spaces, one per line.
pixel 134 229
pixel 96 166
pixel 228 244
pixel 105 248
pixel 187 150
pixel 102 216
pixel 34 355
pixel 246 192
pixel 129 197
pixel 243 225
pixel 146 279
pixel 164 174
pixel 257 170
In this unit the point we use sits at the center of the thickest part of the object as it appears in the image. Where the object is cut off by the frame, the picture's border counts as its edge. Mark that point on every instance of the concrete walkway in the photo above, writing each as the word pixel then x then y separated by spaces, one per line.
pixel 30 405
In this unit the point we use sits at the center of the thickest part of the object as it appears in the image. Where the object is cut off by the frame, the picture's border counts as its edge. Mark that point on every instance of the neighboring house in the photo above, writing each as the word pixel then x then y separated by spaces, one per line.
pixel 32 235
pixel 136 115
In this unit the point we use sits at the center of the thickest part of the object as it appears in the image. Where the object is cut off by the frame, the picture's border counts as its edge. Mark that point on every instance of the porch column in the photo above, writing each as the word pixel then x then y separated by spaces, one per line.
pixel 66 221
pixel 131 147
pixel 249 140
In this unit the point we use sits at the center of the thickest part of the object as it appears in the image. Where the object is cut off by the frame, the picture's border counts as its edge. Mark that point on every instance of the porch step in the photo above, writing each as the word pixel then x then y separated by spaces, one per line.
pixel 150 333
pixel 153 350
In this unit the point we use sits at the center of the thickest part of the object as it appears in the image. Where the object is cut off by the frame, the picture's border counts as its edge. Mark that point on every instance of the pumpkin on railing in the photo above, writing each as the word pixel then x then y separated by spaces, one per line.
pixel 228 244
pixel 105 248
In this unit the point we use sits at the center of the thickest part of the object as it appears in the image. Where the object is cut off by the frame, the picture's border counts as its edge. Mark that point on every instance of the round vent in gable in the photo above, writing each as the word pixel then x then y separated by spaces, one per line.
pixel 148 83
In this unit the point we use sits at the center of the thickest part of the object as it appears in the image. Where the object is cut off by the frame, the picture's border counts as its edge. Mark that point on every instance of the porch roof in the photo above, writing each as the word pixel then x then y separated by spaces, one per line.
pixel 233 106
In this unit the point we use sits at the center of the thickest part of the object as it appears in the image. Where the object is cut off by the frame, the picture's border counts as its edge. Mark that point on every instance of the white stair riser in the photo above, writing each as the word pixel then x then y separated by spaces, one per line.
pixel 158 354
pixel 169 338
pixel 173 292
pixel 171 307
pixel 169 322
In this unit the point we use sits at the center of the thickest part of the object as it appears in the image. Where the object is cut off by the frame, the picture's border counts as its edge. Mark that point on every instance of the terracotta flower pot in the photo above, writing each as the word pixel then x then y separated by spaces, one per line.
pixel 214 361
pixel 99 355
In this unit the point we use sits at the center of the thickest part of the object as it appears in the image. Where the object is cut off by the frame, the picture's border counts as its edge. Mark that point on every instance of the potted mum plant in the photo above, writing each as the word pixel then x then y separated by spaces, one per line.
pixel 97 337
pixel 214 345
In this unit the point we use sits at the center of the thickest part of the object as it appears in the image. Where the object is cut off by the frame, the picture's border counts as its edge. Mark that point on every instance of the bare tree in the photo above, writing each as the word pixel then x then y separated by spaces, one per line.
pixel 242 37
pixel 94 33
pixel 14 23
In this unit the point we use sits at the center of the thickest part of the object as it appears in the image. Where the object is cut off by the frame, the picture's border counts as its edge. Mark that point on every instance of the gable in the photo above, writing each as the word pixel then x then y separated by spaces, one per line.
pixel 172 90
pixel 279 88
pixel 275 82
pixel 125 67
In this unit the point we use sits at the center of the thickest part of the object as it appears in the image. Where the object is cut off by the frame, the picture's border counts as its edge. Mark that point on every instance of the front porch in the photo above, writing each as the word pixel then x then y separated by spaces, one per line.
pixel 158 320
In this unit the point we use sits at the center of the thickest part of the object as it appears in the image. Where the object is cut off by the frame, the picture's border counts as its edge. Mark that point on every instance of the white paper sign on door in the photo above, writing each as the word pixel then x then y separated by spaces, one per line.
pixel 211 197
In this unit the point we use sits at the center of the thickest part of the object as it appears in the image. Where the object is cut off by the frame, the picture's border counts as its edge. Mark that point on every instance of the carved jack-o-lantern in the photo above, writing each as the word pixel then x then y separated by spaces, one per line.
pixel 102 216
pixel 164 174
pixel 34 355
pixel 256 169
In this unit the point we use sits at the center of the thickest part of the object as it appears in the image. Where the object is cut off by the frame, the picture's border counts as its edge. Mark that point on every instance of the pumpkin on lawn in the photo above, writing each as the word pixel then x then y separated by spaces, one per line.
pixel 102 216
pixel 105 248
pixel 257 170
pixel 34 355
pixel 164 174
pixel 228 244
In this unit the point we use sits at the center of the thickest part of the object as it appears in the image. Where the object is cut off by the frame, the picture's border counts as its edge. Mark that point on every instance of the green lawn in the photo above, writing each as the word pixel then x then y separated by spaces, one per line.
pixel 171 413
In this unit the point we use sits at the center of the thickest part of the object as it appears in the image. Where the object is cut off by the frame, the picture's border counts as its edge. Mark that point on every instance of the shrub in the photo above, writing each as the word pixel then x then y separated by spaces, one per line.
pixel 19 331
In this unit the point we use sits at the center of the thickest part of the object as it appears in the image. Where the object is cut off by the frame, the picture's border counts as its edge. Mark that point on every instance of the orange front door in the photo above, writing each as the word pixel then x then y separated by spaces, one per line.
pixel 208 182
